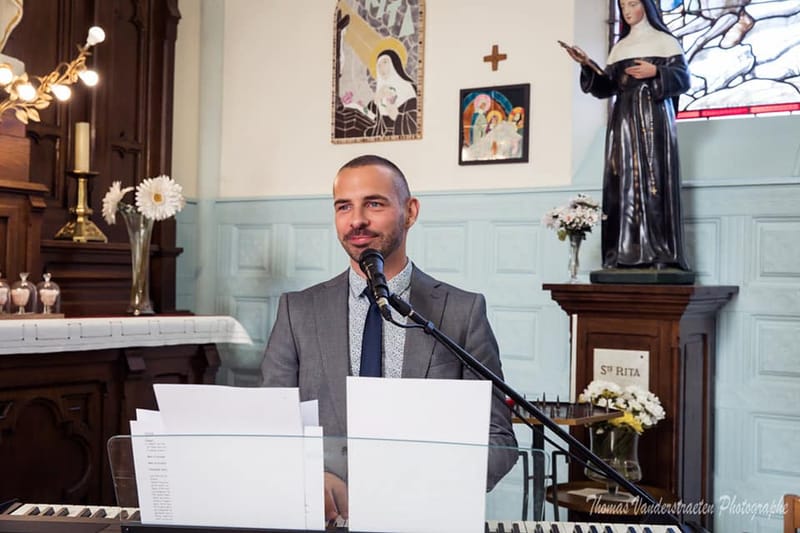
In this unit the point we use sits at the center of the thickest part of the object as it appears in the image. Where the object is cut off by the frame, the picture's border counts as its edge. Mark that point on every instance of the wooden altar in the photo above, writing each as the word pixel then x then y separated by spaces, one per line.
pixel 68 385
pixel 676 324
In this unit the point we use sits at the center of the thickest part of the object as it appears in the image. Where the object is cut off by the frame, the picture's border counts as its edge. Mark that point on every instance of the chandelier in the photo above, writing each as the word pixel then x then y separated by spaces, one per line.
pixel 27 96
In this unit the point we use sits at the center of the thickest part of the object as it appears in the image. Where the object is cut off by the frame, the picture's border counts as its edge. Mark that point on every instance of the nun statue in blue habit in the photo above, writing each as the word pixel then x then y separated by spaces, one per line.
pixel 646 72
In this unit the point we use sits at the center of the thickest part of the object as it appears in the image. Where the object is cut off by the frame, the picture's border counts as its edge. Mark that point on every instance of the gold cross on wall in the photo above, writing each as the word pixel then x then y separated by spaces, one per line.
pixel 495 57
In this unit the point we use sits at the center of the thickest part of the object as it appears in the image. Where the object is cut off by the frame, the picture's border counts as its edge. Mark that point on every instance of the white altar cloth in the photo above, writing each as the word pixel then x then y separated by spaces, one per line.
pixel 74 334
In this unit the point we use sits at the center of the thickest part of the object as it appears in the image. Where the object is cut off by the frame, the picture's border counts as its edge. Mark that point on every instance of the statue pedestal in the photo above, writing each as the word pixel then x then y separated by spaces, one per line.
pixel 676 325
pixel 646 276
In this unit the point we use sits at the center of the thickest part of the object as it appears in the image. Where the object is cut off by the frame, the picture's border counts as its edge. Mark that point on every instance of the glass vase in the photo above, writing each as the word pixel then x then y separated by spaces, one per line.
pixel 618 447
pixel 140 229
pixel 575 240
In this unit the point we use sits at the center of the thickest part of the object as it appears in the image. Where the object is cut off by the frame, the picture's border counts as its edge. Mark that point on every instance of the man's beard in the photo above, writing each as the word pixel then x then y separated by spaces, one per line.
pixel 386 243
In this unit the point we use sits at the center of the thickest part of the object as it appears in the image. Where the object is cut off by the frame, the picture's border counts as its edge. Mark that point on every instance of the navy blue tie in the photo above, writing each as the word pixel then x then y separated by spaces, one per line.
pixel 372 342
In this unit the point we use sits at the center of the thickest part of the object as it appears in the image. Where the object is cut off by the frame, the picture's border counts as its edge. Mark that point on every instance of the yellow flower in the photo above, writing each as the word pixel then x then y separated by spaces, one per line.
pixel 629 420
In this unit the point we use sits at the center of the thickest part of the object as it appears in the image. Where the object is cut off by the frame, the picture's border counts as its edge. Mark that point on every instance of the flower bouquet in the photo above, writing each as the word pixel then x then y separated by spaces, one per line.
pixel 574 220
pixel 616 441
pixel 157 198
pixel 578 217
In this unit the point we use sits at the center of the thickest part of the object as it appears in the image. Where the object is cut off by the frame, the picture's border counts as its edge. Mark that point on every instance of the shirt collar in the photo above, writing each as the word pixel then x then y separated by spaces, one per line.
pixel 398 284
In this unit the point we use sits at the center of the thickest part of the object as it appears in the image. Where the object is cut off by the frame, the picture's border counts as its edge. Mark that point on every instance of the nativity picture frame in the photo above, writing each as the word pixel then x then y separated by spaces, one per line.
pixel 377 71
pixel 493 124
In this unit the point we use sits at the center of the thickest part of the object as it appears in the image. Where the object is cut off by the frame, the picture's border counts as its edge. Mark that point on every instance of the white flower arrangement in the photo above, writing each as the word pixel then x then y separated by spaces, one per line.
pixel 156 198
pixel 642 409
pixel 576 218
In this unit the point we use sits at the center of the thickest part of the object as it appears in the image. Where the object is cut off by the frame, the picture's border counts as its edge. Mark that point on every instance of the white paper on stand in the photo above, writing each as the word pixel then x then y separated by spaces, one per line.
pixel 315 479
pixel 226 456
pixel 417 454
pixel 219 409
pixel 309 412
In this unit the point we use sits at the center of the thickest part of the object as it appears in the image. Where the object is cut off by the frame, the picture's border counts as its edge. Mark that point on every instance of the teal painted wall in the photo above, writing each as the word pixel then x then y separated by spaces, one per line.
pixel 742 223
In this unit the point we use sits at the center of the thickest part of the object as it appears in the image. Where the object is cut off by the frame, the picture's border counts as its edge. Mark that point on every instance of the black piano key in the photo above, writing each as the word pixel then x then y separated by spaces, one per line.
pixel 85 513
pixel 501 528
pixel 135 516
pixel 35 511
pixel 646 529
pixel 577 529
pixel 515 528
pixel 100 513
pixel 539 529
pixel 48 512
pixel 555 529
pixel 486 528
pixel 62 512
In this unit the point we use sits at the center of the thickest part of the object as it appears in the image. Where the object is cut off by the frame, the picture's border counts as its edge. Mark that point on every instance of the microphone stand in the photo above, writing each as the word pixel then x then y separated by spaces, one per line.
pixel 479 368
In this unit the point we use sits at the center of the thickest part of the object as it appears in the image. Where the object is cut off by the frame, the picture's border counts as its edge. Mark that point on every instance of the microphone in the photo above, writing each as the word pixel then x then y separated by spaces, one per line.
pixel 371 264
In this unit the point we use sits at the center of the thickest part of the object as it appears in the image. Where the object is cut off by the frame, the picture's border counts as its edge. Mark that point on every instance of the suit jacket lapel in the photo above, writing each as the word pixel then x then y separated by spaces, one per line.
pixel 428 300
pixel 333 338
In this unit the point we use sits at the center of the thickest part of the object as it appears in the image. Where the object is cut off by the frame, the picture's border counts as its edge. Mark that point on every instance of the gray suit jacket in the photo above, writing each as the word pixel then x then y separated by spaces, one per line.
pixel 308 348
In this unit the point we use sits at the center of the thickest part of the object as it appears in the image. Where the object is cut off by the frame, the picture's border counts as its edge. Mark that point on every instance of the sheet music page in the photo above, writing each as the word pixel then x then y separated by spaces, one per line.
pixel 219 409
pixel 309 412
pixel 152 467
pixel 226 456
pixel 315 478
pixel 417 454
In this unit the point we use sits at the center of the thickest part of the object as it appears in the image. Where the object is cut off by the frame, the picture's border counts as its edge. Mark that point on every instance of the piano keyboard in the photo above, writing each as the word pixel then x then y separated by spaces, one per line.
pixel 507 526
pixel 47 518
pixel 73 511
pixel 58 518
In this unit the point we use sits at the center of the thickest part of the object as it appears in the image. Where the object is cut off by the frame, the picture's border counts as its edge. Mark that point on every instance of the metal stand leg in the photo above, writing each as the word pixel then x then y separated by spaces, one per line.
pixel 537 450
pixel 526 477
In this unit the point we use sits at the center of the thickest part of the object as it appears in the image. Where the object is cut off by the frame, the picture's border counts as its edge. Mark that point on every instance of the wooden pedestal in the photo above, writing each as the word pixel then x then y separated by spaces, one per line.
pixel 676 324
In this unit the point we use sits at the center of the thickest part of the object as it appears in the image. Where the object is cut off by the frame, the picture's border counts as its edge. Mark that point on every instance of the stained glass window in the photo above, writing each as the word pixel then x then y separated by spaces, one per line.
pixel 744 55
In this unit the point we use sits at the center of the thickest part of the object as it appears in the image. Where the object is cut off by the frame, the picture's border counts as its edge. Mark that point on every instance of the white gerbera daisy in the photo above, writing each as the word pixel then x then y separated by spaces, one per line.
pixel 112 199
pixel 159 198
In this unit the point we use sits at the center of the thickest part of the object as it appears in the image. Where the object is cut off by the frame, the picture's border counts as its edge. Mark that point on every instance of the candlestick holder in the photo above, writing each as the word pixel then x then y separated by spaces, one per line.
pixel 82 229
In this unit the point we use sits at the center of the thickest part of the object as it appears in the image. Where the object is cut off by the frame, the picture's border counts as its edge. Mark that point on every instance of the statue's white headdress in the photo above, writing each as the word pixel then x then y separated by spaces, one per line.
pixel 10 16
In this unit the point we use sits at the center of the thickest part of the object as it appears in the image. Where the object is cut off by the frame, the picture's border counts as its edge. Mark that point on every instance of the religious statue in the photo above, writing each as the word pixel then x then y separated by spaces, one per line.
pixel 10 17
pixel 642 234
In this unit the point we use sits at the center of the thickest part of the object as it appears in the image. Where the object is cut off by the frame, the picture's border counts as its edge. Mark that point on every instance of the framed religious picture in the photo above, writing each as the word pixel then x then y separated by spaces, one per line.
pixel 377 70
pixel 493 124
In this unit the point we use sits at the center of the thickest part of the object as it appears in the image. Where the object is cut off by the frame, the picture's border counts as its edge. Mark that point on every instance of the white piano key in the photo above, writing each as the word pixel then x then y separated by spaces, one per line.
pixel 74 511
pixel 509 526
pixel 113 513
pixel 24 509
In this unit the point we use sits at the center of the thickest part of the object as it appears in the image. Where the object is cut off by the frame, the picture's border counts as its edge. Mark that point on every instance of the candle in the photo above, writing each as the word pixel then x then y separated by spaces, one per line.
pixel 81 147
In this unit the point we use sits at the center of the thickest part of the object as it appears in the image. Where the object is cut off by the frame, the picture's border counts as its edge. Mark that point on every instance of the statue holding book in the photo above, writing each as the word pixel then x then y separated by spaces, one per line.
pixel 642 233
pixel 10 17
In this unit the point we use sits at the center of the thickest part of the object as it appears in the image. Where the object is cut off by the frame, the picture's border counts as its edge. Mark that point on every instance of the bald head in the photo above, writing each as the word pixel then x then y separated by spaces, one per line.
pixel 398 178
